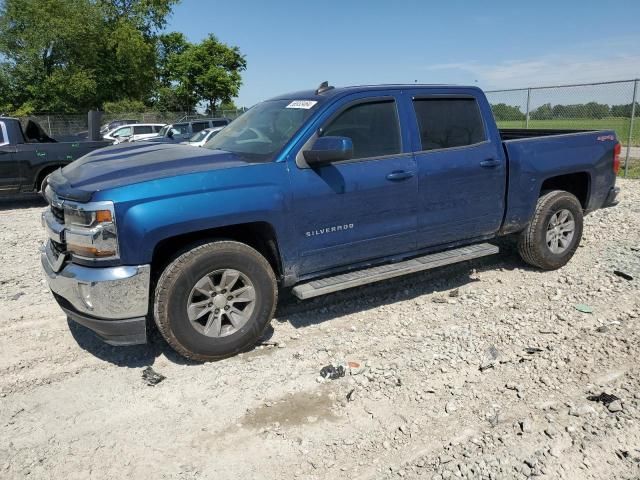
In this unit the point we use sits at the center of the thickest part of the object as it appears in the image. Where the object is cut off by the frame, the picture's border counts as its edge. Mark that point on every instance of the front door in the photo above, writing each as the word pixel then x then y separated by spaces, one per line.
pixel 363 208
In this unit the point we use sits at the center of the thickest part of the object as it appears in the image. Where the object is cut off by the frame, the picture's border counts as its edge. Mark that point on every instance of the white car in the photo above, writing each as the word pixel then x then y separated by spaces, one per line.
pixel 202 137
pixel 136 131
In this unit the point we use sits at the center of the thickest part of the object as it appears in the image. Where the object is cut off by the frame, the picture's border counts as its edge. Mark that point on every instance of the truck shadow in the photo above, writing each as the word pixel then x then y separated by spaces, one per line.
pixel 136 356
pixel 301 314
pixel 133 356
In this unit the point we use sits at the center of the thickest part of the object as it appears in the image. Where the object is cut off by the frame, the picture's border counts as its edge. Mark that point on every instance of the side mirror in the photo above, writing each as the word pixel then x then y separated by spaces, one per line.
pixel 329 149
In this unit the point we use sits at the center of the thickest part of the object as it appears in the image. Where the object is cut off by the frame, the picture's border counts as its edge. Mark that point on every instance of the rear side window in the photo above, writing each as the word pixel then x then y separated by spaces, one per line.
pixel 372 127
pixel 142 129
pixel 219 123
pixel 449 122
pixel 198 126
pixel 2 141
pixel 156 128
pixel 180 128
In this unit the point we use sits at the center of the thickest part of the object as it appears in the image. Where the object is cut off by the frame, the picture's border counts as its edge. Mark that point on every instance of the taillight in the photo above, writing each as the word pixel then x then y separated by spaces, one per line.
pixel 616 157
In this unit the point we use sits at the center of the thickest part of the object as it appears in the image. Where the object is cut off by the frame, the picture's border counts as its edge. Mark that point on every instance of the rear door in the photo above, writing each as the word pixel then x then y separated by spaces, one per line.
pixel 461 172
pixel 10 175
pixel 363 208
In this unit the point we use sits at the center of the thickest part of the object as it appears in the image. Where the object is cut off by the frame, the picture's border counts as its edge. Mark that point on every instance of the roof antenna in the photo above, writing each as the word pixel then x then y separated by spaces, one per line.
pixel 324 87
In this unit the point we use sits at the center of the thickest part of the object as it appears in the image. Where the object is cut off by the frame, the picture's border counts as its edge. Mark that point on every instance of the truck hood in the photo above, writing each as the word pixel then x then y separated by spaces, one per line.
pixel 130 163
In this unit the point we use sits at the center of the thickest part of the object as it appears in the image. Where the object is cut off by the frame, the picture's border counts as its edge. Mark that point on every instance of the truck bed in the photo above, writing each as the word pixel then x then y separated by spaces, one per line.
pixel 518 133
pixel 584 156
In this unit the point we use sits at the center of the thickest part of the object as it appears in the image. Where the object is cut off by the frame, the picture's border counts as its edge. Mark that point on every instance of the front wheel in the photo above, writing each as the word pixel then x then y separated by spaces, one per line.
pixel 554 233
pixel 215 300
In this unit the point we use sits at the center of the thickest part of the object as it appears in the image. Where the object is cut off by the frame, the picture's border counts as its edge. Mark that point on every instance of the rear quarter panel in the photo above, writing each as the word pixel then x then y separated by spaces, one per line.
pixel 534 160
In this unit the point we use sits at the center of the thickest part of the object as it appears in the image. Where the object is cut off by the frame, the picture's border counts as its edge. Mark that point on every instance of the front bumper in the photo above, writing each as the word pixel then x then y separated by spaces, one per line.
pixel 111 301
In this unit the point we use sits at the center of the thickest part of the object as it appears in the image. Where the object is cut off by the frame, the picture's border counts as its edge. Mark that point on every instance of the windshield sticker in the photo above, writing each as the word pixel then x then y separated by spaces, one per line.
pixel 305 104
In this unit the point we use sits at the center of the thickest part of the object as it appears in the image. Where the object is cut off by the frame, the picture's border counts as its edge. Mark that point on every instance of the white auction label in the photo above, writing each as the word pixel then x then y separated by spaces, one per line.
pixel 306 104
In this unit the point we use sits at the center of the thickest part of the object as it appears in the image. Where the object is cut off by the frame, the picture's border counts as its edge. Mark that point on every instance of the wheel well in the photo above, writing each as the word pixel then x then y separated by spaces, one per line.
pixel 43 173
pixel 258 235
pixel 575 183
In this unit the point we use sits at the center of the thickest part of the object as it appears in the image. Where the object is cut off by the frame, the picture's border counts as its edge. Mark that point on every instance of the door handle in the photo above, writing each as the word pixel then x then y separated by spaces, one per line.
pixel 399 175
pixel 490 163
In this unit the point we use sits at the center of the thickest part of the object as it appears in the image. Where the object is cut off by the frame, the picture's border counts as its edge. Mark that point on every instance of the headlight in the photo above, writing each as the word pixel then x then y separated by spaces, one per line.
pixel 90 230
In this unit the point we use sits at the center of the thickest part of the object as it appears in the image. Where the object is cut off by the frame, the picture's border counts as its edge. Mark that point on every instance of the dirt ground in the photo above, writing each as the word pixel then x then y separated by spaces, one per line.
pixel 479 370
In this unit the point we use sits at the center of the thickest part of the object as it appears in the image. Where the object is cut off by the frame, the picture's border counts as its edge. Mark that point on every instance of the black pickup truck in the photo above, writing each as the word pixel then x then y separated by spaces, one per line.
pixel 27 157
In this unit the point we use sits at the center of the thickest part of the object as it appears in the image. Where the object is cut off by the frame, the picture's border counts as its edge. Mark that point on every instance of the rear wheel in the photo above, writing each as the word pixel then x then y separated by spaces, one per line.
pixel 554 233
pixel 215 300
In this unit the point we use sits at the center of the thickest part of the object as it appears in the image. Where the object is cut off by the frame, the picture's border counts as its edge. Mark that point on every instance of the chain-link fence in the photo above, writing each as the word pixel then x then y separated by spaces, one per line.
pixel 60 125
pixel 590 106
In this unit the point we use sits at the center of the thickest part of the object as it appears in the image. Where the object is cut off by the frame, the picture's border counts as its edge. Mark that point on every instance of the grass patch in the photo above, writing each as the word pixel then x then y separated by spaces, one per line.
pixel 633 170
pixel 620 125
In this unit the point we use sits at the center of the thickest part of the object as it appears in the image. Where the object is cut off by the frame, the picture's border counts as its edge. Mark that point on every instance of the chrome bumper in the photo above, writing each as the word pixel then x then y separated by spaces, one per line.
pixel 110 293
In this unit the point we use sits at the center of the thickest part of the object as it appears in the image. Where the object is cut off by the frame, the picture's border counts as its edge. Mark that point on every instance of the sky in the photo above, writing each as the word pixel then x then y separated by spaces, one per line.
pixel 295 45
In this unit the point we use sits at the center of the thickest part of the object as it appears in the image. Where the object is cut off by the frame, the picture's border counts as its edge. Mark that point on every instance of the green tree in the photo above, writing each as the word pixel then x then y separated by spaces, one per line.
pixel 50 50
pixel 502 111
pixel 543 112
pixel 208 72
pixel 71 55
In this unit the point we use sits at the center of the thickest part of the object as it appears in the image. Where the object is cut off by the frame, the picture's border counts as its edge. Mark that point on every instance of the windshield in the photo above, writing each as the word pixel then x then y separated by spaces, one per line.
pixel 263 130
pixel 198 137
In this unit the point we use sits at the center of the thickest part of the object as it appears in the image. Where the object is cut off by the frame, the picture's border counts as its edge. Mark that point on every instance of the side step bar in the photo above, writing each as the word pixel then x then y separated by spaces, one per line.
pixel 375 274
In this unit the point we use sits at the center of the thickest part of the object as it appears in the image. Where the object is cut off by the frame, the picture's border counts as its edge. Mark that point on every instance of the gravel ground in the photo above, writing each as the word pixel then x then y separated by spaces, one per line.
pixel 479 370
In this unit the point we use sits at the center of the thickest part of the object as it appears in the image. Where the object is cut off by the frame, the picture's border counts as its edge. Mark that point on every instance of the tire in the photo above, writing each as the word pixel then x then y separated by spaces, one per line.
pixel 532 244
pixel 176 291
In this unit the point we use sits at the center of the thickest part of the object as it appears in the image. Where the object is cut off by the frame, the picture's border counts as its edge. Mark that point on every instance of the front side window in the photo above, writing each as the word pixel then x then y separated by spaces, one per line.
pixel 122 132
pixel 372 127
pixel 449 122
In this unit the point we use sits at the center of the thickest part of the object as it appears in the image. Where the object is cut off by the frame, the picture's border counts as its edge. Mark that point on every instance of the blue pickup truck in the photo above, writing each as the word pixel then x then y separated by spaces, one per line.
pixel 316 191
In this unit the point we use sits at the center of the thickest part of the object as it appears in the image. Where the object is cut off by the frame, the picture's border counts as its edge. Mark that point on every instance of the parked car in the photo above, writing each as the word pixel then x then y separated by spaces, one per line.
pixel 107 127
pixel 317 191
pixel 27 157
pixel 183 131
pixel 202 137
pixel 134 132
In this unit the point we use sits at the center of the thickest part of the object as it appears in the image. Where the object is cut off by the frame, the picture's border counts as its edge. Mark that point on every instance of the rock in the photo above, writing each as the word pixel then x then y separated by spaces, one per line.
pixel 450 407
pixel 581 410
pixel 526 425
pixel 615 406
